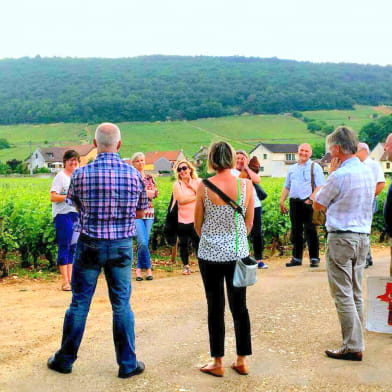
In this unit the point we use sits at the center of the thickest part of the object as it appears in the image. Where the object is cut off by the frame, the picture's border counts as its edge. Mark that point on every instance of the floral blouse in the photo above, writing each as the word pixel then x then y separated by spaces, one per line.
pixel 150 186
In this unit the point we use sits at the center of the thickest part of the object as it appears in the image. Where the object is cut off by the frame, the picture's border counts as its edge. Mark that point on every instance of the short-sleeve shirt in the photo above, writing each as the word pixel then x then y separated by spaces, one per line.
pixel 186 212
pixel 60 185
pixel 376 169
pixel 257 202
pixel 299 181
pixel 348 196
pixel 107 193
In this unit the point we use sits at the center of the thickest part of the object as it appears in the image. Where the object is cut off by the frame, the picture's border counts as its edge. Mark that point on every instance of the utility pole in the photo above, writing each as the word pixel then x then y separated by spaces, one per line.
pixel 31 158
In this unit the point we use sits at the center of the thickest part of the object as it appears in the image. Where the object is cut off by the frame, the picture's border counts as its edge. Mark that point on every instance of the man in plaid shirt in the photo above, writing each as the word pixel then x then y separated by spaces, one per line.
pixel 109 195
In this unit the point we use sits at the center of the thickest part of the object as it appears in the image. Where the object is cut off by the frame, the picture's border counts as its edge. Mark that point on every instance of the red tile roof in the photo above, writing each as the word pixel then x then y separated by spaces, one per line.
pixel 55 154
pixel 152 157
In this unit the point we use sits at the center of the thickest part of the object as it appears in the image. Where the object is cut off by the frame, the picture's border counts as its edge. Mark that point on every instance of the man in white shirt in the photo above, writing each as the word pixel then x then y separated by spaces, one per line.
pixel 347 197
pixel 375 167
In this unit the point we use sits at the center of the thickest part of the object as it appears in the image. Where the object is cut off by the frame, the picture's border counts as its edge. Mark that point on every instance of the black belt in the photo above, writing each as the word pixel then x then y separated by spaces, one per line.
pixel 346 231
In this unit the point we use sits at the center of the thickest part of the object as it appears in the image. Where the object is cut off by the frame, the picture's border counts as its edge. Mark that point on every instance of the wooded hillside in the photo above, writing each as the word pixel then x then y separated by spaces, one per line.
pixel 46 90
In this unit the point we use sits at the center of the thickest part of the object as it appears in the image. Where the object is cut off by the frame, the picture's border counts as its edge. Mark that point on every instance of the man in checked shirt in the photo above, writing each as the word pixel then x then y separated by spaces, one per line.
pixel 109 195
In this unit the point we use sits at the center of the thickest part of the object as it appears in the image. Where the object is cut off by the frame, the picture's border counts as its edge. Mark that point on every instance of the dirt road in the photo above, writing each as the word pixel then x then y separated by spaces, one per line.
pixel 293 322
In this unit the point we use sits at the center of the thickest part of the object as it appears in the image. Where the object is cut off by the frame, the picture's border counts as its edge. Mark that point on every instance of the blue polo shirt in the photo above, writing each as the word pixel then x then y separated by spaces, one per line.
pixel 298 180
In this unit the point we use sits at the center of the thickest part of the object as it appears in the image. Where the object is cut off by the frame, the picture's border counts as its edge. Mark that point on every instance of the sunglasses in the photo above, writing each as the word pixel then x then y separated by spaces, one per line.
pixel 183 168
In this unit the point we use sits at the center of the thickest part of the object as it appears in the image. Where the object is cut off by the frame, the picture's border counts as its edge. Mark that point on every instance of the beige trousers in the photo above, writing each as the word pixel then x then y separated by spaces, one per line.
pixel 346 259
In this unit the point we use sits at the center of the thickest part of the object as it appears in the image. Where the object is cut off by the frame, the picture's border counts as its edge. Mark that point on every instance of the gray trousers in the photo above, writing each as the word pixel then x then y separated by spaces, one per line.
pixel 346 258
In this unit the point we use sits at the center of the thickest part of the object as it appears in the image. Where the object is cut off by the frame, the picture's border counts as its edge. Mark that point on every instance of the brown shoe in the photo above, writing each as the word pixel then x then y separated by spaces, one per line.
pixel 348 356
pixel 240 369
pixel 218 371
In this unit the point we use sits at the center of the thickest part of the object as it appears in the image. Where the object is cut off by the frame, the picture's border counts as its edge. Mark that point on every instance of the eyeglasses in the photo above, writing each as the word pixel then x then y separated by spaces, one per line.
pixel 183 168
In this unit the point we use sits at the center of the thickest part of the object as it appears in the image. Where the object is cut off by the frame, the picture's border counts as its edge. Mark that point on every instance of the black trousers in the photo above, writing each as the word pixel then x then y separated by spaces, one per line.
pixel 256 234
pixel 301 224
pixel 186 236
pixel 214 275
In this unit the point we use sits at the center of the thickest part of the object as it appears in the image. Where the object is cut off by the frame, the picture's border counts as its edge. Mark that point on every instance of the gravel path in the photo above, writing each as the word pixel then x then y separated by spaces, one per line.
pixel 293 322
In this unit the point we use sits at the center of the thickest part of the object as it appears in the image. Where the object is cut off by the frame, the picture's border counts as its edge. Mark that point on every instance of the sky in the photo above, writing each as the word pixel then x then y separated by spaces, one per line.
pixel 307 30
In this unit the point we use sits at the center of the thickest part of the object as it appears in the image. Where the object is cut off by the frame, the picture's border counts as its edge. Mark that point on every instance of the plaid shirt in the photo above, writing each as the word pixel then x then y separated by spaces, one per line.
pixel 107 193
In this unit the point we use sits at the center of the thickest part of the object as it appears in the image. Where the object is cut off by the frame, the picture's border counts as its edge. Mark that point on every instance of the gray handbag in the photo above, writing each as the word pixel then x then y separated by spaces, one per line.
pixel 245 274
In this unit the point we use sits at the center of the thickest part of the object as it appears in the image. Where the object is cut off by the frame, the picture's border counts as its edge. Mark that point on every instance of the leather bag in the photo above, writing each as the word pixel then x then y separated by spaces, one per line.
pixel 319 218
pixel 171 223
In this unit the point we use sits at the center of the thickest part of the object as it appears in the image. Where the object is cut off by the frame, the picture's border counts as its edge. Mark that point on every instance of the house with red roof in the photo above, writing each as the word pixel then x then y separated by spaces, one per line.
pixel 162 161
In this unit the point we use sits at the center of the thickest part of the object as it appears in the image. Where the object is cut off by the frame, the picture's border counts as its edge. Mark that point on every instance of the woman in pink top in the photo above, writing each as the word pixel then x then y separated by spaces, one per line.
pixel 184 191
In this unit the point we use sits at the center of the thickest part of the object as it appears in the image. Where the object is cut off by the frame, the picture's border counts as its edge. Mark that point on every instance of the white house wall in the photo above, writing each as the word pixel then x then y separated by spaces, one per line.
pixel 377 152
pixel 275 165
pixel 37 160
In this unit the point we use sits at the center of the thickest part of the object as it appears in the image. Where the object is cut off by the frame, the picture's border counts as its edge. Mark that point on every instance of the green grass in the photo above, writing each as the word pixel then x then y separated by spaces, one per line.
pixel 242 131
pixel 354 119
pixel 253 129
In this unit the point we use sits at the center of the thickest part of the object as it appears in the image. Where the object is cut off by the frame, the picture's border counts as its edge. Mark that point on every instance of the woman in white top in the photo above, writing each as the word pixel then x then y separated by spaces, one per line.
pixel 215 223
pixel 65 217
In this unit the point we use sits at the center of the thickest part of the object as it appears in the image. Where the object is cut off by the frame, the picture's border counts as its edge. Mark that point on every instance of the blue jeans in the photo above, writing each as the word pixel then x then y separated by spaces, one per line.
pixel 64 224
pixel 115 257
pixel 143 229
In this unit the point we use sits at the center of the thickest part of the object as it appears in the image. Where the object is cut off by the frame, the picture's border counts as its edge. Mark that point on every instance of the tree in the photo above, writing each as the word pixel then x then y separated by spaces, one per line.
pixel 376 131
pixel 4 144
pixel 13 164
pixel 318 150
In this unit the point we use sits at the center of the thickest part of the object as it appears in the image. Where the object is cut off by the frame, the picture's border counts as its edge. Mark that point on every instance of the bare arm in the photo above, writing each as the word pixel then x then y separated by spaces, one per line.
pixel 283 197
pixel 313 195
pixel 180 197
pixel 139 214
pixel 255 178
pixel 250 211
pixel 199 209
pixel 56 197
pixel 150 194
pixel 379 187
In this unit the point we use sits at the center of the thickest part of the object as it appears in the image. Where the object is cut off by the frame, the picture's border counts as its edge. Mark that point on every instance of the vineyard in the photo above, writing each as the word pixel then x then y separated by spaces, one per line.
pixel 27 237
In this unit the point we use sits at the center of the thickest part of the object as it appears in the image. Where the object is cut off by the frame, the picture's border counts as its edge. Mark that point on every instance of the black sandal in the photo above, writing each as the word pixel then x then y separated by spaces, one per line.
pixel 149 277
pixel 139 278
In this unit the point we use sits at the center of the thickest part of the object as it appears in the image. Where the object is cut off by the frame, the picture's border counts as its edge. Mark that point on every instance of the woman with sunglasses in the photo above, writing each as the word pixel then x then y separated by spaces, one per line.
pixel 143 226
pixel 184 191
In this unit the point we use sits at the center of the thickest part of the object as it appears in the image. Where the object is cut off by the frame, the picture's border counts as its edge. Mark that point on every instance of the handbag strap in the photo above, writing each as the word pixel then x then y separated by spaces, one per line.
pixel 312 176
pixel 236 215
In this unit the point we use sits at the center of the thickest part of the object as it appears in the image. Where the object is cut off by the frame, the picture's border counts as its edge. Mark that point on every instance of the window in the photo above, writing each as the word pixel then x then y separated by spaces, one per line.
pixel 262 168
pixel 50 155
pixel 388 165
pixel 264 156
pixel 290 157
pixel 36 156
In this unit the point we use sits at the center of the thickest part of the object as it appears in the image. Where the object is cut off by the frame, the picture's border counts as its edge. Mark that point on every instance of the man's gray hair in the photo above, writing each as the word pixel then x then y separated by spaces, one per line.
pixel 363 146
pixel 107 135
pixel 345 138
